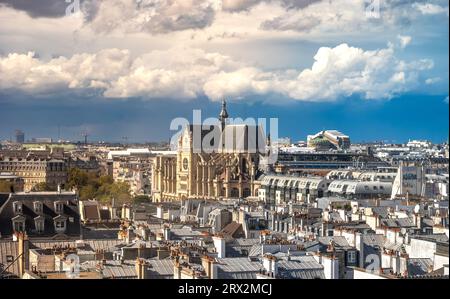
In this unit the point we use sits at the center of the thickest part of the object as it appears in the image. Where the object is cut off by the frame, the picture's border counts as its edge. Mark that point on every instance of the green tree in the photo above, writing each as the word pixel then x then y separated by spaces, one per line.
pixel 102 188
pixel 87 192
pixel 105 179
pixel 77 178
pixel 141 199
pixel 120 191
pixel 43 186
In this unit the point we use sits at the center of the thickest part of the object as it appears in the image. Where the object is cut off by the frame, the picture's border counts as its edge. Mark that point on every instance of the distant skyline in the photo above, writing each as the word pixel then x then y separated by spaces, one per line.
pixel 126 68
pixel 396 120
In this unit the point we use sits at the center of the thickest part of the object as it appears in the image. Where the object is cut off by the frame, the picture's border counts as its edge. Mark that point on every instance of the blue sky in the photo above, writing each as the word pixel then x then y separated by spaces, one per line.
pixel 127 68
pixel 410 116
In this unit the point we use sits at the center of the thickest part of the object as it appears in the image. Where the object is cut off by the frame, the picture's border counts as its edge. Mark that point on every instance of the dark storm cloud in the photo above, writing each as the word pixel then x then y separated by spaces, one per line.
pixel 39 8
pixel 239 5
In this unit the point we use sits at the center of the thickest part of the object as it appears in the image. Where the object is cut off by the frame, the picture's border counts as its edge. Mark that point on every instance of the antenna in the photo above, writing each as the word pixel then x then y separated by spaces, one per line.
pixel 85 135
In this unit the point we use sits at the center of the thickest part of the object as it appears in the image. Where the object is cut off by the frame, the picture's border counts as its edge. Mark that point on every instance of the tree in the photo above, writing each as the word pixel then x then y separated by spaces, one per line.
pixel 5 187
pixel 42 186
pixel 77 178
pixel 141 199
pixel 120 191
pixel 348 207
pixel 105 179
pixel 102 188
pixel 87 192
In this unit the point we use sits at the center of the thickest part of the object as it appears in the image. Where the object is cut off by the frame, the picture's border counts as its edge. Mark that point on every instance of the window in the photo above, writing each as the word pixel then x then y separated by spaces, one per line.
pixel 39 224
pixel 37 207
pixel 351 257
pixel 17 206
pixel 19 225
pixel 60 225
pixel 59 207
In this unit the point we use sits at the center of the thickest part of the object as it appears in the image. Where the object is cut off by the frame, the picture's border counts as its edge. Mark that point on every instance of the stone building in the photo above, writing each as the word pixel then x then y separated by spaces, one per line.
pixel 134 171
pixel 35 170
pixel 211 162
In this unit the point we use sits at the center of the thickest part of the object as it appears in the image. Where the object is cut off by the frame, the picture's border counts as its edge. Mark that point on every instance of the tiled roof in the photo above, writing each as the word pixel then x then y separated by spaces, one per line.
pixel 70 211
pixel 9 250
pixel 233 268
pixel 419 266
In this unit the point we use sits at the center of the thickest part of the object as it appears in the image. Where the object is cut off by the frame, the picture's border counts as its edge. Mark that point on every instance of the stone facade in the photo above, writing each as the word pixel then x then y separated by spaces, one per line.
pixel 223 173
pixel 36 170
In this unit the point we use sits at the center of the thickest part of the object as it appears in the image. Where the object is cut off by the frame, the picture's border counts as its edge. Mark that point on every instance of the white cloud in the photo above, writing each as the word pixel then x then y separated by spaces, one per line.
pixel 337 72
pixel 185 73
pixel 28 73
pixel 404 40
pixel 430 8
pixel 151 16
pixel 251 17
pixel 433 80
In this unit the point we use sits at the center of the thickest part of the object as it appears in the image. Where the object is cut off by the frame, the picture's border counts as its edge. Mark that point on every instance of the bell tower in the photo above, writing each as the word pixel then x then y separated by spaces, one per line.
pixel 223 114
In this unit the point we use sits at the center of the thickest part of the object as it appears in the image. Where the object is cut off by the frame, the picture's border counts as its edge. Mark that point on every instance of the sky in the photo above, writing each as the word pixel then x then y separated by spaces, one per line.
pixel 373 69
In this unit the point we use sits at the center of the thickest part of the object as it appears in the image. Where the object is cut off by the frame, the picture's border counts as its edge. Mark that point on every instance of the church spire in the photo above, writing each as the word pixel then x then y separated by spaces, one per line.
pixel 223 114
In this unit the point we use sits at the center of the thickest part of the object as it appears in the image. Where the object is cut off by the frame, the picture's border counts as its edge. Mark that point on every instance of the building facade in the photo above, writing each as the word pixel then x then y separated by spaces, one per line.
pixel 226 170
pixel 36 170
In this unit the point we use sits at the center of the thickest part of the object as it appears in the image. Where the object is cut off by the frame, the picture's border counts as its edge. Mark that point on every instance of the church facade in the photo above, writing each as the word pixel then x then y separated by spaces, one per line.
pixel 211 162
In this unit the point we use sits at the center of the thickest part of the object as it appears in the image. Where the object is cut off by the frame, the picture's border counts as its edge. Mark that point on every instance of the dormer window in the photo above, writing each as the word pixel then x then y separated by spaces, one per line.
pixel 17 206
pixel 18 223
pixel 37 205
pixel 59 207
pixel 351 257
pixel 60 224
pixel 39 224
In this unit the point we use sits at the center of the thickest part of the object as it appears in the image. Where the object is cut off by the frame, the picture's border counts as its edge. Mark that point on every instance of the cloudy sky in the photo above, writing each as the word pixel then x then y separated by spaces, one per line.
pixel 374 69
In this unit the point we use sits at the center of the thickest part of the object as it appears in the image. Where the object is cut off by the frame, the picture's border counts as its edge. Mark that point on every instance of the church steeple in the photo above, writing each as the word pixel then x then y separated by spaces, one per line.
pixel 223 114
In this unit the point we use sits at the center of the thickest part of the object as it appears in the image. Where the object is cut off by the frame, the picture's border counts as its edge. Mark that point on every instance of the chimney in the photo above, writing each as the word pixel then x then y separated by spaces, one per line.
pixel 210 267
pixel 141 249
pixel 159 212
pixel 167 233
pixel 140 268
pixel 360 243
pixel 219 244
pixel 129 235
pixel 270 264
pixel 330 267
pixel 324 229
pixel 177 270
pixel 162 253
pixel 23 252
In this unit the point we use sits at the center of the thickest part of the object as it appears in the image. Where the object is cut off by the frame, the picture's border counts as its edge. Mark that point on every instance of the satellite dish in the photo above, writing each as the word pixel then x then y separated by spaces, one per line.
pixel 416 209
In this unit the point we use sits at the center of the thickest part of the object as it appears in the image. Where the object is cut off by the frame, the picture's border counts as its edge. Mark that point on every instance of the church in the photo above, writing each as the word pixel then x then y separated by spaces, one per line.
pixel 217 161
